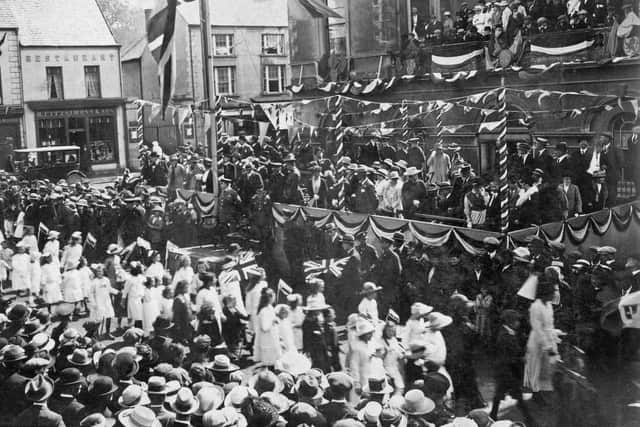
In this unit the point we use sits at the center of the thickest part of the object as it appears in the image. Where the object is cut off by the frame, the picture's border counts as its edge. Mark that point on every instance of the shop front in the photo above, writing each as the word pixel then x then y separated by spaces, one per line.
pixel 95 129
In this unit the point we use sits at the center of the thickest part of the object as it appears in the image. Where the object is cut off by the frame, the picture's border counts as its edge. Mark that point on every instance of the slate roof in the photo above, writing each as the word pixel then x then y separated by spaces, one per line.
pixel 59 22
pixel 134 50
pixel 244 13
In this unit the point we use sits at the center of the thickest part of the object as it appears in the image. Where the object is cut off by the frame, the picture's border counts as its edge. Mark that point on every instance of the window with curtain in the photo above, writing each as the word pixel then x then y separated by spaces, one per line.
pixel 92 81
pixel 54 83
pixel 273 44
pixel 223 45
pixel 102 147
pixel 274 79
pixel 225 80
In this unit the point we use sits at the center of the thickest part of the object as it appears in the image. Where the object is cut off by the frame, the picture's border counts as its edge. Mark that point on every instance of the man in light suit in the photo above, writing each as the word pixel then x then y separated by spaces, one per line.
pixel 571 199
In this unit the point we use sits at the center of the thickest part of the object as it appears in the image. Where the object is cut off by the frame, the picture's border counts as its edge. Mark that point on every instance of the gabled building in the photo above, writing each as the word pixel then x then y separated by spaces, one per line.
pixel 250 44
pixel 71 82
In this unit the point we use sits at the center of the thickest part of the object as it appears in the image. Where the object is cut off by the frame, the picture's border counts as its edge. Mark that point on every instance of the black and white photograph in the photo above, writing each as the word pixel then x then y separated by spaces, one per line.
pixel 319 213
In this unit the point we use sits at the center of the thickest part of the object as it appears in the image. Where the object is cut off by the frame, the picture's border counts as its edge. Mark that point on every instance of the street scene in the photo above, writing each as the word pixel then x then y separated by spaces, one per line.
pixel 319 213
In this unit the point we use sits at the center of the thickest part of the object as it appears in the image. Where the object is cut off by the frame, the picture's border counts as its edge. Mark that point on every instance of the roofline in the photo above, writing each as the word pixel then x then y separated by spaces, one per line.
pixel 241 26
pixel 118 46
pixel 104 19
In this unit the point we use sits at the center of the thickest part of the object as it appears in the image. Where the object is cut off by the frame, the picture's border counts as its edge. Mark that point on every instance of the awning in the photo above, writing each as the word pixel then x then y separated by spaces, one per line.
pixel 319 10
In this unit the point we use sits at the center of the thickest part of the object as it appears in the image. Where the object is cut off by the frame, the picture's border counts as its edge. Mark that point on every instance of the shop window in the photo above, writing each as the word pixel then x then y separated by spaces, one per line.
pixel 54 83
pixel 92 81
pixel 52 132
pixel 225 80
pixel 274 79
pixel 273 44
pixel 223 45
pixel 102 145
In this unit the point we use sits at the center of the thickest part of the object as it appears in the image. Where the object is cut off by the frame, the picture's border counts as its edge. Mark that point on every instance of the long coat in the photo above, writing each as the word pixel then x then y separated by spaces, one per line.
pixel 538 372
pixel 266 347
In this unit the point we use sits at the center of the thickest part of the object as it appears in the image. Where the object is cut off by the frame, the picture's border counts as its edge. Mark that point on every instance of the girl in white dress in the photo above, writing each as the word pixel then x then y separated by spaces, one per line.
pixel 52 247
pixel 72 290
pixel 542 346
pixel 21 269
pixel 296 316
pixel 266 346
pixel 35 275
pixel 85 278
pixel 150 306
pixel 185 272
pixel 50 279
pixel 100 305
pixel 155 269
pixel 133 292
pixel 285 329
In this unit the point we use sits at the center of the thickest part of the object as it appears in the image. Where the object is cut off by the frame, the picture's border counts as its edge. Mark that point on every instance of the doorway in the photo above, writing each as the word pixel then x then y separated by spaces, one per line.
pixel 78 136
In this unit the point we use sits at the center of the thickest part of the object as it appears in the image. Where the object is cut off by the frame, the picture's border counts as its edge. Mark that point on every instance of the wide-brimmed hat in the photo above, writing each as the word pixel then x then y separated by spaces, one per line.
pixel 369 288
pixel 364 327
pixel 222 363
pixel 39 389
pixel 209 398
pixel 420 309
pixel 394 175
pixel 308 387
pixel 76 235
pixel 438 321
pixel 32 328
pixel 238 395
pixel 314 304
pixel 42 341
pixel 265 380
pixel 113 249
pixel 277 400
pixel 80 357
pixel 162 324
pixel 140 416
pixel 13 353
pixel 53 234
pixel 377 384
pixel 293 363
pixel 133 396
pixel 371 412
pixel 18 312
pixel 101 386
pixel 125 364
pixel 340 382
pixel 462 422
pixel 416 403
pixel 69 376
pixel 412 171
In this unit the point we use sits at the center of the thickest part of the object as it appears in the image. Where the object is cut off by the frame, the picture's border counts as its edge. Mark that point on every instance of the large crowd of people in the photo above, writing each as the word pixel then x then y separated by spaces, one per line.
pixel 128 342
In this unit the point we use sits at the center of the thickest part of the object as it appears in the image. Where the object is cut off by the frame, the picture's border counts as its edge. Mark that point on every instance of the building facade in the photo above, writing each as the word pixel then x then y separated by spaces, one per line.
pixel 251 63
pixel 11 110
pixel 70 80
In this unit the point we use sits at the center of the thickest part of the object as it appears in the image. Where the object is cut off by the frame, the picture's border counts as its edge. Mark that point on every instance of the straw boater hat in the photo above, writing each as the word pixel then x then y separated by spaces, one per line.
pixel 416 403
pixel 53 234
pixel 140 416
pixel 113 249
pixel 412 171
pixel 364 327
pixel 185 402
pixel 314 304
pixel 369 288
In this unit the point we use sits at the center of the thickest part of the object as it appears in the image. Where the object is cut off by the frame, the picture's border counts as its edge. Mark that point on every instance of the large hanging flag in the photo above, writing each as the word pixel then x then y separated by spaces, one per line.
pixel 333 266
pixel 245 265
pixel 160 36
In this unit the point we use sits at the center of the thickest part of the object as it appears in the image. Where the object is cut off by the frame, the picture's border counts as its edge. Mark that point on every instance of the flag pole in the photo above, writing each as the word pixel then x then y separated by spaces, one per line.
pixel 209 90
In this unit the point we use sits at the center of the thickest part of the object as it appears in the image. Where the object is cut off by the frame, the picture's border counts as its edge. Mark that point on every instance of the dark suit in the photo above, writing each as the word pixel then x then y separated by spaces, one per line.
pixel 579 164
pixel 594 199
pixel 38 415
pixel 368 154
pixel 71 410
pixel 634 160
pixel 347 286
pixel 610 158
pixel 322 193
pixel 543 160
pixel 418 26
pixel 363 198
pixel 12 394
pixel 386 273
pixel 509 367
pixel 335 411
pixel 563 166
pixel 207 179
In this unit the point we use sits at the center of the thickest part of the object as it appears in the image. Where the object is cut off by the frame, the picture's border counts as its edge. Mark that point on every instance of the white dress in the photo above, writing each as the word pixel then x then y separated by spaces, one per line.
pixel 413 331
pixel 50 278
pixel 285 330
pixel 229 282
pixel 266 347
pixel 100 306
pixel 35 275
pixel 368 308
pixel 71 256
pixel 31 242
pixel 251 303
pixel 85 279
pixel 52 247
pixel 296 317
pixel 134 290
pixel 150 309
pixel 72 286
pixel 21 272
pixel 393 360
pixel 155 271
pixel 436 346
pixel 538 369
pixel 183 273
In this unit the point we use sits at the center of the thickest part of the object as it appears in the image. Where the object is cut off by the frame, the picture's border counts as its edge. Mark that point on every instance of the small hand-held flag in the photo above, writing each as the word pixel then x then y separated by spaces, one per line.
pixel 284 288
pixel 393 316
pixel 333 266
pixel 91 240
pixel 42 230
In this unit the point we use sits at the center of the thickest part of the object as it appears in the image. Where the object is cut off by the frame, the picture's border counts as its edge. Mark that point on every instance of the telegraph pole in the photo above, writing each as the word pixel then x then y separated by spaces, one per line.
pixel 209 89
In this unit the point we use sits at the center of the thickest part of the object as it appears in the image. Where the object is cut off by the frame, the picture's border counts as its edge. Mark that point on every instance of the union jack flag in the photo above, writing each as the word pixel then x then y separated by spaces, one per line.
pixel 333 266
pixel 244 265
